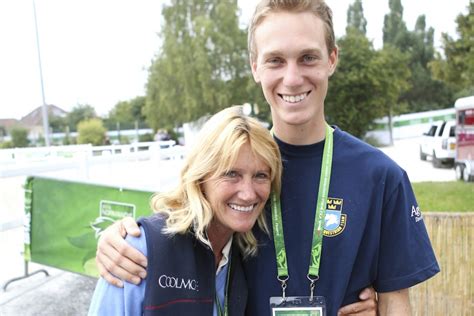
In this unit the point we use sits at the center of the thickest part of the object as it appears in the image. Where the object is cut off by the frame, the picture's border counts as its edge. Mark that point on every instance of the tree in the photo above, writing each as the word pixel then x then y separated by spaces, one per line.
pixel 350 100
pixel 456 67
pixel 127 113
pixel 395 31
pixel 91 131
pixel 355 18
pixel 57 123
pixel 19 137
pixel 391 81
pixel 424 93
pixel 366 85
pixel 202 65
pixel 80 113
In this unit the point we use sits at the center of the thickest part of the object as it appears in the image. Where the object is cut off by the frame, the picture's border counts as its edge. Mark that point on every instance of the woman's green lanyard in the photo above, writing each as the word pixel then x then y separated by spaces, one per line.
pixel 317 244
pixel 223 310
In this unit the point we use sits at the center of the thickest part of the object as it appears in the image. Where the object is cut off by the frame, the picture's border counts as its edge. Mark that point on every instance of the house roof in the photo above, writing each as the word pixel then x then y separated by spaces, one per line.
pixel 8 124
pixel 35 117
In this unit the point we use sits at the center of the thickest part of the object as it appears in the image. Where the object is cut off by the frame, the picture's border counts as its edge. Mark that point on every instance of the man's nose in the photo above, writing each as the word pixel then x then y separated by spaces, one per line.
pixel 293 76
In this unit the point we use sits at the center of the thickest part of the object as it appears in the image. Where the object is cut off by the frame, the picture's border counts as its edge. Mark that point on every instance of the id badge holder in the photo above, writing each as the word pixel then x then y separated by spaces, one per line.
pixel 298 306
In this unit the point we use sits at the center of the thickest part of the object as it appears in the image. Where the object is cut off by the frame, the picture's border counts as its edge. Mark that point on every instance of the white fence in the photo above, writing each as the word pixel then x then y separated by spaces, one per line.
pixel 24 161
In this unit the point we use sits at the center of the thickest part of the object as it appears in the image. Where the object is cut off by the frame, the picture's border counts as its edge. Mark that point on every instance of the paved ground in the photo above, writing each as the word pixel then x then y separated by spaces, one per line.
pixel 64 293
pixel 406 154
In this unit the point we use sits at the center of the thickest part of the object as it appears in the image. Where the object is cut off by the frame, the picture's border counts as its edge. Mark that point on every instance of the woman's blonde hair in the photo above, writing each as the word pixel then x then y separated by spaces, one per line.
pixel 214 154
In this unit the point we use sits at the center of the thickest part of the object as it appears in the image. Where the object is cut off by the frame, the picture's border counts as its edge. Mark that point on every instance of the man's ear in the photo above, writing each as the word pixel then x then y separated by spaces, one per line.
pixel 333 59
pixel 253 66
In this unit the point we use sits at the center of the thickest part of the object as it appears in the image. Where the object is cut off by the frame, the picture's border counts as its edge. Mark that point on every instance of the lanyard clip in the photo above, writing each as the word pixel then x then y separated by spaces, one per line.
pixel 312 285
pixel 283 281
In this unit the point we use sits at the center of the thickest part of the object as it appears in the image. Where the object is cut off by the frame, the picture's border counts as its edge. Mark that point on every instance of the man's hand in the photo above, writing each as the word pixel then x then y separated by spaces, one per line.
pixel 366 306
pixel 115 258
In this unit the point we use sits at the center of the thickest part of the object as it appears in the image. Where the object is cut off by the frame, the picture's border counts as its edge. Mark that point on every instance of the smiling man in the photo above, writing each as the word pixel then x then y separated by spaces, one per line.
pixel 343 204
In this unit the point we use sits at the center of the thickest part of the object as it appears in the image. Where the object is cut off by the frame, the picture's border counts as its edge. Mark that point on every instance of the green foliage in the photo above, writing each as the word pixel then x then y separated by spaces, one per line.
pixel 6 145
pixel 424 93
pixel 80 113
pixel 391 76
pixel 394 28
pixel 91 131
pixel 367 84
pixel 456 67
pixel 145 138
pixel 355 18
pixel 57 123
pixel 347 103
pixel 202 65
pixel 19 137
pixel 127 113
pixel 3 131
pixel 445 196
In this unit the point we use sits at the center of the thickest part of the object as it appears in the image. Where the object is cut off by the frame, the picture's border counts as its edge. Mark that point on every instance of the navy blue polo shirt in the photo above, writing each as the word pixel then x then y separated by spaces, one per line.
pixel 374 231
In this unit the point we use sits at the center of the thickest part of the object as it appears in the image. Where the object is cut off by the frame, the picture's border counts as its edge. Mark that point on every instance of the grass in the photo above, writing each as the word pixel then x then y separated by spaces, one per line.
pixel 456 196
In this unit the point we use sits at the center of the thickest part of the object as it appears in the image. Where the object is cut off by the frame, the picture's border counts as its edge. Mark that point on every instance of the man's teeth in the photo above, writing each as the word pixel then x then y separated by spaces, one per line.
pixel 241 208
pixel 294 98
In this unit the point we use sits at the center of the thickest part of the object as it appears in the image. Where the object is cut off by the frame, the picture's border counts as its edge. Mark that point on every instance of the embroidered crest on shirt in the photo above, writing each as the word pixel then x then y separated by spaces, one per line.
pixel 335 221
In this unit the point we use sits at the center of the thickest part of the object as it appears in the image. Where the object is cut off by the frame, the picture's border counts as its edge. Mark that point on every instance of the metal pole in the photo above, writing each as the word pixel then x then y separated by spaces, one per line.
pixel 44 107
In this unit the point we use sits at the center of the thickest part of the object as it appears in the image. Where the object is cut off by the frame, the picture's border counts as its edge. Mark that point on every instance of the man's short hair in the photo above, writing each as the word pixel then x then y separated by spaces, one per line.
pixel 318 7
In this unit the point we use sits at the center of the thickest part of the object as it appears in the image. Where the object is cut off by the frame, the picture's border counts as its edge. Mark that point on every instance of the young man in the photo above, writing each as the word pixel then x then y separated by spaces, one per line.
pixel 347 213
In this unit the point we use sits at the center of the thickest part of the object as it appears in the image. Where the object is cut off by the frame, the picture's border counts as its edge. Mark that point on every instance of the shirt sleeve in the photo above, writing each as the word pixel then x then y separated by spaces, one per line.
pixel 110 300
pixel 406 256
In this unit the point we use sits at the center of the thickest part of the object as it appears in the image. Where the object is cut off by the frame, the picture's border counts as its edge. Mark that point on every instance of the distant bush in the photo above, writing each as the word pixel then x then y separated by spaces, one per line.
pixel 19 137
pixel 145 138
pixel 6 145
pixel 91 131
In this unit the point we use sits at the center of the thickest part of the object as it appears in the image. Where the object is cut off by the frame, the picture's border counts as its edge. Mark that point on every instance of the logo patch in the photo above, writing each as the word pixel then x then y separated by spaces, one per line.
pixel 172 282
pixel 335 221
pixel 416 213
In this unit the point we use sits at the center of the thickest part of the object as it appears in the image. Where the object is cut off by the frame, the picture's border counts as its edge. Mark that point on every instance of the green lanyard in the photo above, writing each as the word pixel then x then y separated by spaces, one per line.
pixel 223 310
pixel 317 244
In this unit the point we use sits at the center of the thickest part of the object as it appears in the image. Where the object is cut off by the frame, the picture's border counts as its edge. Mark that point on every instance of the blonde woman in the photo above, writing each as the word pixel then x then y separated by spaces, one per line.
pixel 202 230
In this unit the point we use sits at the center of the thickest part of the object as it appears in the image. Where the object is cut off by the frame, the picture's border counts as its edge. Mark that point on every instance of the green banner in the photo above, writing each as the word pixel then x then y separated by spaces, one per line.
pixel 66 218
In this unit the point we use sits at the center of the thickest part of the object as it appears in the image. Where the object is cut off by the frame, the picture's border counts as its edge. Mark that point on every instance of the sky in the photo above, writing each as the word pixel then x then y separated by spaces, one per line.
pixel 97 52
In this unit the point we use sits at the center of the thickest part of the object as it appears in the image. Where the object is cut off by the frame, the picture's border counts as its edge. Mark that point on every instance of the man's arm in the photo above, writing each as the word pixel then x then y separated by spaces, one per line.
pixel 115 257
pixel 394 303
pixel 366 306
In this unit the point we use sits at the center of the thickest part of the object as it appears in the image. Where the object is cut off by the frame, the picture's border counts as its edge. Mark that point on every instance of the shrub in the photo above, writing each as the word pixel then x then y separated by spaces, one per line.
pixel 6 145
pixel 145 138
pixel 91 131
pixel 19 137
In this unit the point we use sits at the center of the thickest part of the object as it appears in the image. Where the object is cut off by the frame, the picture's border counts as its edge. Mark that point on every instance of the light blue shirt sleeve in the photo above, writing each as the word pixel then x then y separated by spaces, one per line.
pixel 111 300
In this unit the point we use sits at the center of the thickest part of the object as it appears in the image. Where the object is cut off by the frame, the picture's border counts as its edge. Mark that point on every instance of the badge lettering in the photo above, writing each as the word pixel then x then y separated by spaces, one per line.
pixel 166 281
pixel 416 213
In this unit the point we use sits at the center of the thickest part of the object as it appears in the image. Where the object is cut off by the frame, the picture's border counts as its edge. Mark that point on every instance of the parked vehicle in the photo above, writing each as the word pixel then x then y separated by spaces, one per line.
pixel 464 161
pixel 439 143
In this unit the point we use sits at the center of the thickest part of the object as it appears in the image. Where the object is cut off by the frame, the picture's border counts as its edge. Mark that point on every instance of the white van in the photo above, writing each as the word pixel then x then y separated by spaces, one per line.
pixel 439 143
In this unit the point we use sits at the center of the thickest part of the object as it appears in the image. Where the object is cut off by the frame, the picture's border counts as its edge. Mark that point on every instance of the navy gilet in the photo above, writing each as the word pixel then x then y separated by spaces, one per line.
pixel 181 274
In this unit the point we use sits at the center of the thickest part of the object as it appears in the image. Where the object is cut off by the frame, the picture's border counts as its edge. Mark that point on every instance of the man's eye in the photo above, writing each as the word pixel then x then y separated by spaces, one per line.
pixel 309 58
pixel 274 61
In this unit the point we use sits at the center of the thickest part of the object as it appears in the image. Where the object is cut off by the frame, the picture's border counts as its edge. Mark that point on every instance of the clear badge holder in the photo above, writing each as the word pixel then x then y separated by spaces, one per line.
pixel 298 306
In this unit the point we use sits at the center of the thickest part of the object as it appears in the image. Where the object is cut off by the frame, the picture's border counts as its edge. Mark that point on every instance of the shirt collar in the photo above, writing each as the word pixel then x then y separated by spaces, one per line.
pixel 225 255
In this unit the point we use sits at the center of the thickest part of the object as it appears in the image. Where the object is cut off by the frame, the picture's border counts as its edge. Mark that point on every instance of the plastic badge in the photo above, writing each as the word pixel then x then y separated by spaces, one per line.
pixel 298 306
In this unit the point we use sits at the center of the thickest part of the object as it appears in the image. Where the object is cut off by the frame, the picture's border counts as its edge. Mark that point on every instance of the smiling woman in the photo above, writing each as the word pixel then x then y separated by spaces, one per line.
pixel 202 229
